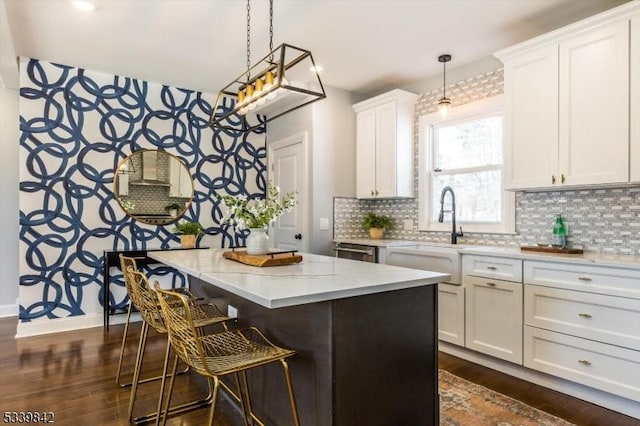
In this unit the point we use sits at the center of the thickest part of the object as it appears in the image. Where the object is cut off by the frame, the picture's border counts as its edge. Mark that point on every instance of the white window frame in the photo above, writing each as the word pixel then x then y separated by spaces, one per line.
pixel 426 125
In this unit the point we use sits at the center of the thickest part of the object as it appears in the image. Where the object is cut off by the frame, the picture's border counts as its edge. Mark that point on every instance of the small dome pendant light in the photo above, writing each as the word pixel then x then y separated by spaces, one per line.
pixel 444 105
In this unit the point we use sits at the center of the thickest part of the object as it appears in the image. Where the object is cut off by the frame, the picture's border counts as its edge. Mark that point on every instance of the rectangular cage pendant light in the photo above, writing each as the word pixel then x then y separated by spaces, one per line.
pixel 283 81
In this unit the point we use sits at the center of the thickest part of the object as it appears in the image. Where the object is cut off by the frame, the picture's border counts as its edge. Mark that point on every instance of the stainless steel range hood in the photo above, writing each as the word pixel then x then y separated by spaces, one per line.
pixel 149 171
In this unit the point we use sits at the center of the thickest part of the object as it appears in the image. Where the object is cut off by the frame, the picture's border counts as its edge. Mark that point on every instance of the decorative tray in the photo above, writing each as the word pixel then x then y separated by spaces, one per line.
pixel 548 249
pixel 276 258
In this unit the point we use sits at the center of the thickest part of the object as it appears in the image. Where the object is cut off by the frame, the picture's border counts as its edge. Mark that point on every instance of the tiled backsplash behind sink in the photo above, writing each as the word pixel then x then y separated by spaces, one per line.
pixel 599 220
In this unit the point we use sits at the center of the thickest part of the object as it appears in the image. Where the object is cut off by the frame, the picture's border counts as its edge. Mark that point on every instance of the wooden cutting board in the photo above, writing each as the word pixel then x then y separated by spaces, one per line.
pixel 552 249
pixel 270 259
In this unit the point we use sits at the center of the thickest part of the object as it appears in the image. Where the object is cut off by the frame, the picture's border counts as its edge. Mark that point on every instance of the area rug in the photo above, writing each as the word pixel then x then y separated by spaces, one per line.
pixel 463 403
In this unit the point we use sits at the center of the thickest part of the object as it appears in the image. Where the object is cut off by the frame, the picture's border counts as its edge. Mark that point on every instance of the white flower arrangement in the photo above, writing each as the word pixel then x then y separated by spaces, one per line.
pixel 244 213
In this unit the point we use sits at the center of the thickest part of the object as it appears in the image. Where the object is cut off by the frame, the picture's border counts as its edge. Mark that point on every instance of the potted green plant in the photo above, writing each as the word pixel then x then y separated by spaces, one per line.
pixel 189 232
pixel 376 225
pixel 173 209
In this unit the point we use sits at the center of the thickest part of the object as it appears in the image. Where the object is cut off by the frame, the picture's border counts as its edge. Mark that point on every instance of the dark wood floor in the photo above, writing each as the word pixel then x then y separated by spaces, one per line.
pixel 73 375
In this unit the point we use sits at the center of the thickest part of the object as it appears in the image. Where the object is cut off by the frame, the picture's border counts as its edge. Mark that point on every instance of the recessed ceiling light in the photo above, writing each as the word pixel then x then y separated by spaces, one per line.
pixel 84 5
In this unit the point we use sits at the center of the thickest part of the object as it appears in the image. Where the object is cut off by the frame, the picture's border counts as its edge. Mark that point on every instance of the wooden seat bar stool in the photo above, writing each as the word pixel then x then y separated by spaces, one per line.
pixel 218 354
pixel 146 301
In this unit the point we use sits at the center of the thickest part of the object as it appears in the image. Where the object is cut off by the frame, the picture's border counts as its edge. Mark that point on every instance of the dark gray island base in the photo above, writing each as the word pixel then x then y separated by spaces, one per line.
pixel 362 361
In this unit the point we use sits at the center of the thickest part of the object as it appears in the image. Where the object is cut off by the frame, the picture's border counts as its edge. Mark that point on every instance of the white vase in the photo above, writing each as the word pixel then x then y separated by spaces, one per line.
pixel 257 241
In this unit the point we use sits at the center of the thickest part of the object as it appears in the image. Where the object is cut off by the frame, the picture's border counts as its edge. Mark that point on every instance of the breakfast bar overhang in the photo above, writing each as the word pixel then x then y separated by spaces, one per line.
pixel 366 335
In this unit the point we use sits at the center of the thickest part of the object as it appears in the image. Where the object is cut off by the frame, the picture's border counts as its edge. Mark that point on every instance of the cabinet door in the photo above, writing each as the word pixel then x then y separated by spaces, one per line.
pixel 531 119
pixel 635 98
pixel 174 178
pixel 366 154
pixel 494 318
pixel 451 313
pixel 594 106
pixel 386 139
pixel 186 188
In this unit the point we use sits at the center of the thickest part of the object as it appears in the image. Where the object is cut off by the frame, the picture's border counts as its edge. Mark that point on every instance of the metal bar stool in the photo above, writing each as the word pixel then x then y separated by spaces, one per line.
pixel 218 354
pixel 146 301
pixel 129 264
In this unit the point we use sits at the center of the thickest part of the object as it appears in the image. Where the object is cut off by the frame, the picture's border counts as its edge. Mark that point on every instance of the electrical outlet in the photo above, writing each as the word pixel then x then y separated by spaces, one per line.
pixel 232 311
pixel 408 224
pixel 324 223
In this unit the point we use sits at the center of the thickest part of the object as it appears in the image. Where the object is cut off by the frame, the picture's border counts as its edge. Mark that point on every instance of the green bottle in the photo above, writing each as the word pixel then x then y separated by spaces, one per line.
pixel 559 237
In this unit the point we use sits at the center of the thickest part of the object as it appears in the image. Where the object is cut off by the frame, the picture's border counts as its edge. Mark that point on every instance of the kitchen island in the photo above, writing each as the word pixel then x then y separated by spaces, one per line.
pixel 366 335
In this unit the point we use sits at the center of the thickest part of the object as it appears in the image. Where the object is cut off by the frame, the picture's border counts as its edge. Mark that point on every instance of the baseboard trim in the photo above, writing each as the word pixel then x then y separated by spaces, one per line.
pixel 8 311
pixel 59 325
pixel 595 396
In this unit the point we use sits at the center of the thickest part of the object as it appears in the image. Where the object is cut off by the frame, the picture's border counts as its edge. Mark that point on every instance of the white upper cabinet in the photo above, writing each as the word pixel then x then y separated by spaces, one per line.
pixel 180 179
pixel 569 103
pixel 594 106
pixel 531 118
pixel 385 146
pixel 635 98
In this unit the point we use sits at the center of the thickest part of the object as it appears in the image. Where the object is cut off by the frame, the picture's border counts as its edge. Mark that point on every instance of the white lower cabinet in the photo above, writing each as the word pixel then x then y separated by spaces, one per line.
pixel 494 317
pixel 582 323
pixel 606 367
pixel 451 313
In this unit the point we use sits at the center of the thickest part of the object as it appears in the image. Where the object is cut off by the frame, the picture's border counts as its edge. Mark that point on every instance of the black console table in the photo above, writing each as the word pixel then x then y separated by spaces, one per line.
pixel 112 259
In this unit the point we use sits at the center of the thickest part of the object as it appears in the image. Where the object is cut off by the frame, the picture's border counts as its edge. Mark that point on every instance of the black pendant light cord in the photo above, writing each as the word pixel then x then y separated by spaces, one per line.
pixel 248 39
pixel 444 59
pixel 444 80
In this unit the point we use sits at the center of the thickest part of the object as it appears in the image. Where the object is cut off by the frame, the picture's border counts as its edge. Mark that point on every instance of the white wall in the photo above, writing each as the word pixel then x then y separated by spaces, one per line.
pixel 9 214
pixel 331 134
pixel 334 160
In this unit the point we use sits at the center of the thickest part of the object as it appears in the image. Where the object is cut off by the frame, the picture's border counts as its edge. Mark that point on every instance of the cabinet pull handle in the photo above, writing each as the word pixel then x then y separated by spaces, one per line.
pixel 376 192
pixel 584 315
pixel 584 278
pixel 584 362
pixel 372 192
pixel 553 180
pixel 491 268
pixel 491 284
pixel 562 177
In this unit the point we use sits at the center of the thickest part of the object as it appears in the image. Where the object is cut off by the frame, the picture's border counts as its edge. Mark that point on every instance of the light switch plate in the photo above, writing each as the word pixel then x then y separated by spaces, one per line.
pixel 408 224
pixel 324 223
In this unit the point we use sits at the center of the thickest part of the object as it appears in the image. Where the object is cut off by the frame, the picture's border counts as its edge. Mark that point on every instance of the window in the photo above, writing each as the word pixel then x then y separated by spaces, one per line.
pixel 465 152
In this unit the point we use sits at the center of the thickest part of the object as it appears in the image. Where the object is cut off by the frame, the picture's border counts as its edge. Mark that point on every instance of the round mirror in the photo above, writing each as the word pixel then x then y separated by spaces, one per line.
pixel 153 186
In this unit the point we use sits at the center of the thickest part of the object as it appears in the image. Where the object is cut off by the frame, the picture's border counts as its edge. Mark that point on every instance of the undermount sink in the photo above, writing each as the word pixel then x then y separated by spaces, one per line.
pixel 443 258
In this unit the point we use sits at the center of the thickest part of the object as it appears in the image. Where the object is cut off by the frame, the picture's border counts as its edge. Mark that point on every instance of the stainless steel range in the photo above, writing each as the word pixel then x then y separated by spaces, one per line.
pixel 357 252
pixel 154 219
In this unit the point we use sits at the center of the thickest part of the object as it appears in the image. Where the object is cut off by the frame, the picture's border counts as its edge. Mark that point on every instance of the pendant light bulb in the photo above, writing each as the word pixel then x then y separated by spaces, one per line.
pixel 444 105
pixel 259 91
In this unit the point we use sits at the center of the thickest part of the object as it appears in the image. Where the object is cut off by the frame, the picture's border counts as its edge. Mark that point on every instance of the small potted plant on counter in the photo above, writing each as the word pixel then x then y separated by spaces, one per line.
pixel 173 209
pixel 189 232
pixel 376 225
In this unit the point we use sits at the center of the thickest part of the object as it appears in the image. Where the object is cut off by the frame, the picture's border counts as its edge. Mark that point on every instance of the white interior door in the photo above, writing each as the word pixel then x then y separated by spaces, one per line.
pixel 288 170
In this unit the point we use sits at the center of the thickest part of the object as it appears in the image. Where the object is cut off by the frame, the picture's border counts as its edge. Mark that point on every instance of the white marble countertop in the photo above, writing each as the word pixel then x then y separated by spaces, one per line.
pixel 315 279
pixel 588 258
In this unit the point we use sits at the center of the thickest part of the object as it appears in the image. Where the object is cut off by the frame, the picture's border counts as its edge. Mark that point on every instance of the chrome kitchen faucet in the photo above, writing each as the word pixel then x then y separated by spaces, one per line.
pixel 454 234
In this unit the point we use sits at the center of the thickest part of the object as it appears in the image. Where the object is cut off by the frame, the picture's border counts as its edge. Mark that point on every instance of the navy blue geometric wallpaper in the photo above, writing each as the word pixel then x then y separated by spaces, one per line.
pixel 76 126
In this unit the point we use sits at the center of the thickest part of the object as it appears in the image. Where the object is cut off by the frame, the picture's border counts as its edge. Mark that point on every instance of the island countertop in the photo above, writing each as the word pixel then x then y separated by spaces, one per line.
pixel 315 279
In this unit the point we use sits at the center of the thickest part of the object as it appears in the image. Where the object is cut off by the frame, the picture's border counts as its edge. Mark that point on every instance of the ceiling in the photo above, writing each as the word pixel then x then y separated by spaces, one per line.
pixel 362 45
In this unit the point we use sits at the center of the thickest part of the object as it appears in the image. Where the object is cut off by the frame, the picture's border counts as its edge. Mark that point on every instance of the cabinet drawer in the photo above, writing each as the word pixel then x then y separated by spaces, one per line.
pixel 593 279
pixel 500 268
pixel 608 319
pixel 609 368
